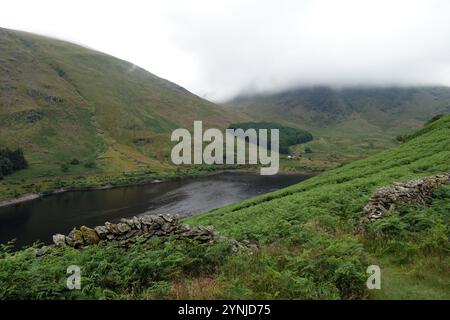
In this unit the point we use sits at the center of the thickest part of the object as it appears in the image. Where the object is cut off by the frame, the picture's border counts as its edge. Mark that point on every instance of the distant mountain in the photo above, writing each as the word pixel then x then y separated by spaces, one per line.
pixel 348 123
pixel 60 101
pixel 323 106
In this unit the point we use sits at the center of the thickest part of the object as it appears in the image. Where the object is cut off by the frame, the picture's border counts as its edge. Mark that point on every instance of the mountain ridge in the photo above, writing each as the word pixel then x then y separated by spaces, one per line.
pixel 345 101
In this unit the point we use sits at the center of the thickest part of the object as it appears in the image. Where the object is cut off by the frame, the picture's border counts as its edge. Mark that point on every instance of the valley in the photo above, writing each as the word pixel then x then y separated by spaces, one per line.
pixel 308 248
pixel 86 121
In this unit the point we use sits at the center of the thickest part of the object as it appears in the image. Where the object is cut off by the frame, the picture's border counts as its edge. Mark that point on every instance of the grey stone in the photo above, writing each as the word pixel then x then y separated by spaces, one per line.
pixel 102 231
pixel 59 240
pixel 123 228
pixel 137 222
pixel 75 238
pixel 112 228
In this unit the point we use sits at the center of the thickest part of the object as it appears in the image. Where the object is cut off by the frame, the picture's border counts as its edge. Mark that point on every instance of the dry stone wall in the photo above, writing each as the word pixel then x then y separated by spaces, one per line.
pixel 386 198
pixel 149 226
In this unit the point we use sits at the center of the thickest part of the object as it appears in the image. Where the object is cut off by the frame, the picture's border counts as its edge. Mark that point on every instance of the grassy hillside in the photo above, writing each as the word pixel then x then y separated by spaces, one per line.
pixel 308 248
pixel 60 101
pixel 347 124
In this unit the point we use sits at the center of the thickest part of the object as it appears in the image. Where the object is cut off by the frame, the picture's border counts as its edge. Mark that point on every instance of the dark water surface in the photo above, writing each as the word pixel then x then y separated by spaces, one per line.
pixel 41 218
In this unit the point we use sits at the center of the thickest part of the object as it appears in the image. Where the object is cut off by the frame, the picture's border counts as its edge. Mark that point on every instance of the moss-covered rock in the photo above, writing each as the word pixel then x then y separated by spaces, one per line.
pixel 75 238
pixel 89 235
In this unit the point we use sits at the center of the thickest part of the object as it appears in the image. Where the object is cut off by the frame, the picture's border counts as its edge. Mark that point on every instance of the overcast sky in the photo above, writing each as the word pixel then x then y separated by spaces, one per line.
pixel 220 48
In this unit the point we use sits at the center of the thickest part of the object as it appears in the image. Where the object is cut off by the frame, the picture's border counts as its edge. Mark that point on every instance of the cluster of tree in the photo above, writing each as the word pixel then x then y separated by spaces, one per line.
pixel 11 160
pixel 288 136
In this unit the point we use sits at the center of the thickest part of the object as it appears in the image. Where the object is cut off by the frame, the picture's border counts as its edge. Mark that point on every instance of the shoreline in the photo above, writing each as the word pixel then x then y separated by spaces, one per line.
pixel 35 195
pixel 23 198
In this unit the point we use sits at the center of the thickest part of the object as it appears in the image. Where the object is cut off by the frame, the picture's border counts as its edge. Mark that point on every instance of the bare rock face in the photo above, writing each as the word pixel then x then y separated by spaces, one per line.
pixel 149 226
pixel 387 198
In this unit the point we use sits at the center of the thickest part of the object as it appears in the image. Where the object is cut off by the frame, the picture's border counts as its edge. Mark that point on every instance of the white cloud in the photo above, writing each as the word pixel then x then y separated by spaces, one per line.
pixel 222 47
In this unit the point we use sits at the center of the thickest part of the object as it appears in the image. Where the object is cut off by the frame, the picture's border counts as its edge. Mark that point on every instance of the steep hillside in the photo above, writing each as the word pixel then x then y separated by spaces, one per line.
pixel 349 123
pixel 311 226
pixel 61 101
pixel 306 232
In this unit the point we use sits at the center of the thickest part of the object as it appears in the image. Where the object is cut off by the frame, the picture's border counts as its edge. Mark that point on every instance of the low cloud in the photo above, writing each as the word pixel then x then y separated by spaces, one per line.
pixel 254 46
pixel 222 48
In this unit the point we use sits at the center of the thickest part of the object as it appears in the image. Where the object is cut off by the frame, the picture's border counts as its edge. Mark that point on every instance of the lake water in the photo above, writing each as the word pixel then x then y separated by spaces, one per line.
pixel 41 218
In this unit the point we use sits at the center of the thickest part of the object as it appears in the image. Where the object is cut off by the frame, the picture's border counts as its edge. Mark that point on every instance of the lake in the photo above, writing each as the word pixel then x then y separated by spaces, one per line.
pixel 41 218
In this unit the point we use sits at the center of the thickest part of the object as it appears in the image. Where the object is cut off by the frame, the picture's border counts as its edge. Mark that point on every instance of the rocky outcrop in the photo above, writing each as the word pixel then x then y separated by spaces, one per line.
pixel 387 198
pixel 127 232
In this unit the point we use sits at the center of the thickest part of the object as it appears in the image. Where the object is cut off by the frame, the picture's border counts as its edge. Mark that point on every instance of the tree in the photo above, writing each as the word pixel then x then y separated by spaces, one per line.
pixel 6 166
pixel 18 159
pixel 12 160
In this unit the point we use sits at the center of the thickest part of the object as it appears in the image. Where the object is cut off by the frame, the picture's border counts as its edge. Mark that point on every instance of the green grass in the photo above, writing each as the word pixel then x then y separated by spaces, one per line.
pixel 319 214
pixel 308 248
pixel 144 272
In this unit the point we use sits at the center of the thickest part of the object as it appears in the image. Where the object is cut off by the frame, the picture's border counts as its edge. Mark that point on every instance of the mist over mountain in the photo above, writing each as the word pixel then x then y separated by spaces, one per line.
pixel 218 49
pixel 402 107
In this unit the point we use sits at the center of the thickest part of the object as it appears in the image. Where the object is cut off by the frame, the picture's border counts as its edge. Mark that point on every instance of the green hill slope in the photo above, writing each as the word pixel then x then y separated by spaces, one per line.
pixel 60 101
pixel 347 124
pixel 311 224
pixel 308 248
